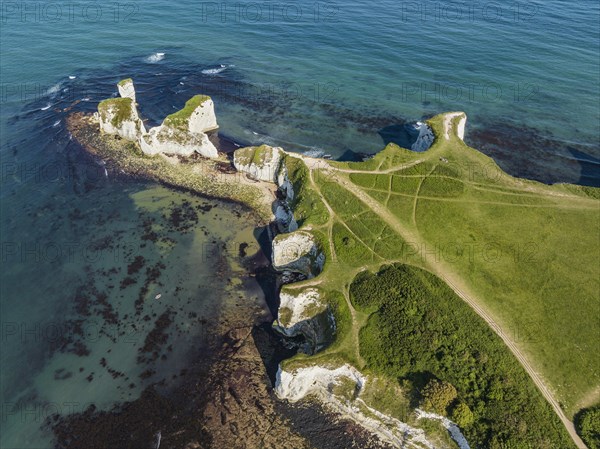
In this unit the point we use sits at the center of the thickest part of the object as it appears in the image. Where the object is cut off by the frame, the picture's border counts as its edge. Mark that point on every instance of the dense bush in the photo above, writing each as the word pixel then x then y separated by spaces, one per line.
pixel 588 426
pixel 437 396
pixel 420 330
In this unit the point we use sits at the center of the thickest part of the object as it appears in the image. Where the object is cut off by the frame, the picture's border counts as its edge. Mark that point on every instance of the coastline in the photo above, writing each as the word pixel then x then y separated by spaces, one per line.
pixel 208 178
pixel 255 386
pixel 262 164
pixel 245 347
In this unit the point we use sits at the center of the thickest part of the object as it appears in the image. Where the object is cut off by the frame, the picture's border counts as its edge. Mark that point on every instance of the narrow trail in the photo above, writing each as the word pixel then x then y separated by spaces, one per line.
pixel 439 268
pixel 376 171
pixel 499 203
pixel 414 209
pixel 355 330
pixel 329 223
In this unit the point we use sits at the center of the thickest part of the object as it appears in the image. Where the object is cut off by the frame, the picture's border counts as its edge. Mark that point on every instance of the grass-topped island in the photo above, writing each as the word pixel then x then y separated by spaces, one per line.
pixel 444 303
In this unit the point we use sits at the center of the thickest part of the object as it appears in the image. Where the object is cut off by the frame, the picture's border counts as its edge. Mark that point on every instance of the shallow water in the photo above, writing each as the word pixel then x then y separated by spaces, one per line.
pixel 111 296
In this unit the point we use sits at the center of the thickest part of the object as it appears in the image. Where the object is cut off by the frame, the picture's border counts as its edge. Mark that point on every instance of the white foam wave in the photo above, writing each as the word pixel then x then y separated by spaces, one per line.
pixel 156 57
pixel 315 152
pixel 54 90
pixel 260 139
pixel 216 70
pixel 72 77
pixel 56 123
pixel 45 108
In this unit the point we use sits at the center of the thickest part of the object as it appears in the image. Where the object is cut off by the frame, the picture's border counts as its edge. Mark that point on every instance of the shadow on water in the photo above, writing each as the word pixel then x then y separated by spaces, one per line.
pixel 397 134
pixel 56 193
pixel 528 153
pixel 590 168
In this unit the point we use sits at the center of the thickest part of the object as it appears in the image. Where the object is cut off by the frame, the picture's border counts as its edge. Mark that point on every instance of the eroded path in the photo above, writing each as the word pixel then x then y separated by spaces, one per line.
pixel 433 264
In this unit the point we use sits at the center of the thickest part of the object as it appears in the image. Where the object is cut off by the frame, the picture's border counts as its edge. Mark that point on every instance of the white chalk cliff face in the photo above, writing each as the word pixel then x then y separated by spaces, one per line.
pixel 341 389
pixel 182 133
pixel 267 164
pixel 306 313
pixel 167 140
pixel 262 163
pixel 203 118
pixel 284 183
pixel 460 128
pixel 119 116
pixel 298 252
pixel 126 89
pixel 284 218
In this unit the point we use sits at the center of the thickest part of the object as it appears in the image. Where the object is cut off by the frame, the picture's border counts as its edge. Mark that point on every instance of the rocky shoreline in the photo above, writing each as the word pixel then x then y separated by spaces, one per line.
pixel 232 404
pixel 210 178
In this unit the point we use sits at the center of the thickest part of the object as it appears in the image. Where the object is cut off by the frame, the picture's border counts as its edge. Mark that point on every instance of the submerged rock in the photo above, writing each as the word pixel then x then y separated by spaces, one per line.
pixel 240 411
pixel 299 252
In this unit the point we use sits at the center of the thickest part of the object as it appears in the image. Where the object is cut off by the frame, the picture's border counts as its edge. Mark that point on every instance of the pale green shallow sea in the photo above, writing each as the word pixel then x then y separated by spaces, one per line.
pixel 333 76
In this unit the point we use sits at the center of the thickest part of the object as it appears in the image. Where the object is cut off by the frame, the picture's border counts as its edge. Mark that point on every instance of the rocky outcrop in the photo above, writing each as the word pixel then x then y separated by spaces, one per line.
pixel 304 312
pixel 240 411
pixel 126 89
pixel 285 185
pixel 169 140
pixel 341 389
pixel 196 117
pixel 182 133
pixel 298 252
pixel 262 163
pixel 265 163
pixel 425 138
pixel 119 116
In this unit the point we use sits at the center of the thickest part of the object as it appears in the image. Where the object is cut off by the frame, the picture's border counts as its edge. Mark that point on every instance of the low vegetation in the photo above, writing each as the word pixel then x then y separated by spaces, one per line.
pixel 180 118
pixel 121 109
pixel 427 338
pixel 588 426
pixel 520 252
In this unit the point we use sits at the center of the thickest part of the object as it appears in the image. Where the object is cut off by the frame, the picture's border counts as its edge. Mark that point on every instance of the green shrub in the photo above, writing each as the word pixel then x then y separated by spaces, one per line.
pixel 420 330
pixel 588 426
pixel 437 396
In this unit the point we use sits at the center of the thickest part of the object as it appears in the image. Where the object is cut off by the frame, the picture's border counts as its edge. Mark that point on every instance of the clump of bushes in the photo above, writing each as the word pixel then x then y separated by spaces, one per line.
pixel 425 336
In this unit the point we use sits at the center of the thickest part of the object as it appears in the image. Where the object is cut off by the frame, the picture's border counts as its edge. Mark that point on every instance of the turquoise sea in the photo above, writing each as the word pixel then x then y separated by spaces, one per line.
pixel 336 77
